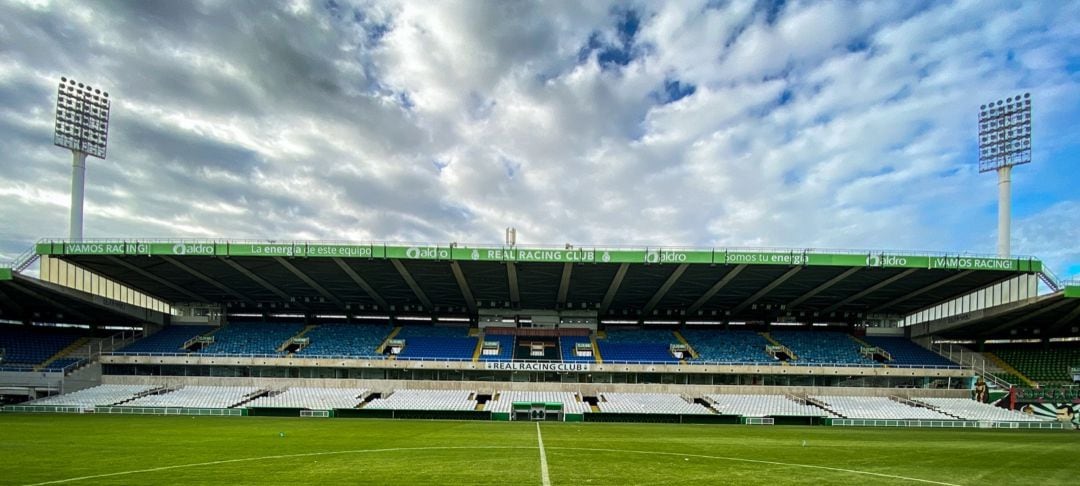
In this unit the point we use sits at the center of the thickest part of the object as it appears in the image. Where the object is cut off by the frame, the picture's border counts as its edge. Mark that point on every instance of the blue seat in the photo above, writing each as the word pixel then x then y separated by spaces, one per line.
pixel 168 340
pixel 728 346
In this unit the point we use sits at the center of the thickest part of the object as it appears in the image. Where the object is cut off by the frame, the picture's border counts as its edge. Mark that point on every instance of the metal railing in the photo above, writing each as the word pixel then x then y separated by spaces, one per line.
pixel 972 360
pixel 695 363
pixel 24 260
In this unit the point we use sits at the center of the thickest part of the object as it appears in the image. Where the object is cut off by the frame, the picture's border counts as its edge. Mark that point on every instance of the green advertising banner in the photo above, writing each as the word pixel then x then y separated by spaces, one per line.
pixel 1072 291
pixel 5 273
pixel 658 256
pixel 759 258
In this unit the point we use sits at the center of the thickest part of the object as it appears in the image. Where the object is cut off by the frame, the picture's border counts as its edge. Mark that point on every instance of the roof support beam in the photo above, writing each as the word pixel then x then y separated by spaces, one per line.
pixel 1024 318
pixel 1068 317
pixel 261 281
pixel 157 279
pixel 308 280
pixel 820 288
pixel 921 291
pixel 564 285
pixel 463 284
pixel 53 302
pixel 663 290
pixel 201 276
pixel 363 284
pixel 511 276
pixel 8 301
pixel 419 292
pixel 613 288
pixel 869 290
pixel 765 290
pixel 720 284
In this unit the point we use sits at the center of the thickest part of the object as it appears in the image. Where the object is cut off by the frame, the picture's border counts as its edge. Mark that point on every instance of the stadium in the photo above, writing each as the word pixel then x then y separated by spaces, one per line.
pixel 130 359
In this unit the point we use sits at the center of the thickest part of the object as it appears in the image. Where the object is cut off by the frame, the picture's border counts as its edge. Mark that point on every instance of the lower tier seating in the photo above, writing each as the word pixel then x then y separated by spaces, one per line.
pixel 426 400
pixel 648 403
pixel 972 410
pixel 311 398
pixel 100 395
pixel 878 408
pixel 764 406
pixel 196 397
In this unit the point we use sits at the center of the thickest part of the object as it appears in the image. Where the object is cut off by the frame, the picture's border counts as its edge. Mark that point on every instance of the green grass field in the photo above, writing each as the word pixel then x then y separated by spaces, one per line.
pixel 74 449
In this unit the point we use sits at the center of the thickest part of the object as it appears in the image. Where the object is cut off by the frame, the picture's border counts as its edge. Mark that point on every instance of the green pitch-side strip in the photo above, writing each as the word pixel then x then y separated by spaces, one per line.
pixel 715 256
pixel 1071 291
pixel 5 273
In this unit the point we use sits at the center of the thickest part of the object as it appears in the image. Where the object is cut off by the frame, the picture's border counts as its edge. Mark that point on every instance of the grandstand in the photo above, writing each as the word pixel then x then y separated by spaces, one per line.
pixel 96 396
pixel 196 397
pixel 311 398
pixel 877 408
pixel 764 406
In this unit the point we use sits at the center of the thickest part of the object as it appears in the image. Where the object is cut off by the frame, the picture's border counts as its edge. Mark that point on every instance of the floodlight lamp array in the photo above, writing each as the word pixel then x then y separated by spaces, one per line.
pixel 82 118
pixel 1005 133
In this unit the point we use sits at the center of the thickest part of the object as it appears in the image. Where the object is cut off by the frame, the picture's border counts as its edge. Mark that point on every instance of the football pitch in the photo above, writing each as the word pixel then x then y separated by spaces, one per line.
pixel 87 449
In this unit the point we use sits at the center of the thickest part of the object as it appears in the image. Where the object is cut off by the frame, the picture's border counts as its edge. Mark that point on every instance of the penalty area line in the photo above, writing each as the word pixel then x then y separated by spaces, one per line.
pixel 760 461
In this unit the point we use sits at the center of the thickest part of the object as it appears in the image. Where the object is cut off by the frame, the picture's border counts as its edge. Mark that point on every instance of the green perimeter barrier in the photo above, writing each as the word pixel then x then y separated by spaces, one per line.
pixel 273 412
pixel 665 418
pixel 44 409
pixel 413 414
pixel 500 416
pixel 208 412
pixel 963 424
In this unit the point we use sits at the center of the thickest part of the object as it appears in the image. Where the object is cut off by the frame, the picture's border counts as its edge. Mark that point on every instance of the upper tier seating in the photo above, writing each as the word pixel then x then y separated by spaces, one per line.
pixel 822 347
pixel 971 410
pixel 879 408
pixel 505 402
pixel 506 348
pixel 648 403
pixel 437 342
pixel 251 338
pixel 354 340
pixel 100 395
pixel 728 346
pixel 764 406
pixel 61 363
pixel 28 346
pixel 426 400
pixel 566 346
pixel 904 352
pixel 167 340
pixel 312 398
pixel 639 345
pixel 196 397
pixel 1049 366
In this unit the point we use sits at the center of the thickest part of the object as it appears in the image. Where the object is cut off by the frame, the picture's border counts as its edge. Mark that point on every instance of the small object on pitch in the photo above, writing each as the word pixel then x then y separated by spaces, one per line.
pixel 281 434
pixel 686 458
pixel 804 443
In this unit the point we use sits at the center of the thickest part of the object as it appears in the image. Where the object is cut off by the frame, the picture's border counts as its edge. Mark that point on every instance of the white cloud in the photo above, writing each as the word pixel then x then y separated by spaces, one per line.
pixel 834 124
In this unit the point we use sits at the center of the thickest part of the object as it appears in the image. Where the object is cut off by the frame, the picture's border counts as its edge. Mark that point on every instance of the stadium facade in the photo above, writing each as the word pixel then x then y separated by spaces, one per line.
pixel 568 329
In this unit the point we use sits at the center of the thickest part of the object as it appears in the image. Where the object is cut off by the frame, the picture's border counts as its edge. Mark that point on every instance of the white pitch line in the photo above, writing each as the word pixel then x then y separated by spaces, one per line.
pixel 759 461
pixel 545 479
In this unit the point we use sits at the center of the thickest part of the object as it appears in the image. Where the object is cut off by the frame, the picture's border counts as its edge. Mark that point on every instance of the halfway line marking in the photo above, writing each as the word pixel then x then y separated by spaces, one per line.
pixel 759 461
pixel 545 479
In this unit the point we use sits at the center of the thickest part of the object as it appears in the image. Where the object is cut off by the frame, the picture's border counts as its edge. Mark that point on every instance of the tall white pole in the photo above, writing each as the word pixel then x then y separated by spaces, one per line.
pixel 1004 209
pixel 78 181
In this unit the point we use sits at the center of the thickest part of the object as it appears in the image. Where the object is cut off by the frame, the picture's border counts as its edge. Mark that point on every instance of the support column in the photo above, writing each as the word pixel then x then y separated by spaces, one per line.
pixel 1004 210
pixel 78 182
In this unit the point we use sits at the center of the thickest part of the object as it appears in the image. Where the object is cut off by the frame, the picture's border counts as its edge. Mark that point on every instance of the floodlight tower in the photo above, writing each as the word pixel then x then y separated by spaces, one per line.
pixel 1004 141
pixel 82 126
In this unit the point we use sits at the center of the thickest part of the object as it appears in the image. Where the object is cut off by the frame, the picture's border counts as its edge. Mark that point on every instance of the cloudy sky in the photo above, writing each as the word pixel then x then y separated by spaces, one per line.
pixel 705 123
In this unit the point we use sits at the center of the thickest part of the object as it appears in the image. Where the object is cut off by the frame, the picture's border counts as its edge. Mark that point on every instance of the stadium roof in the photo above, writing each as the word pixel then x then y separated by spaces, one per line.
pixel 450 279
pixel 27 299
pixel 1047 316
